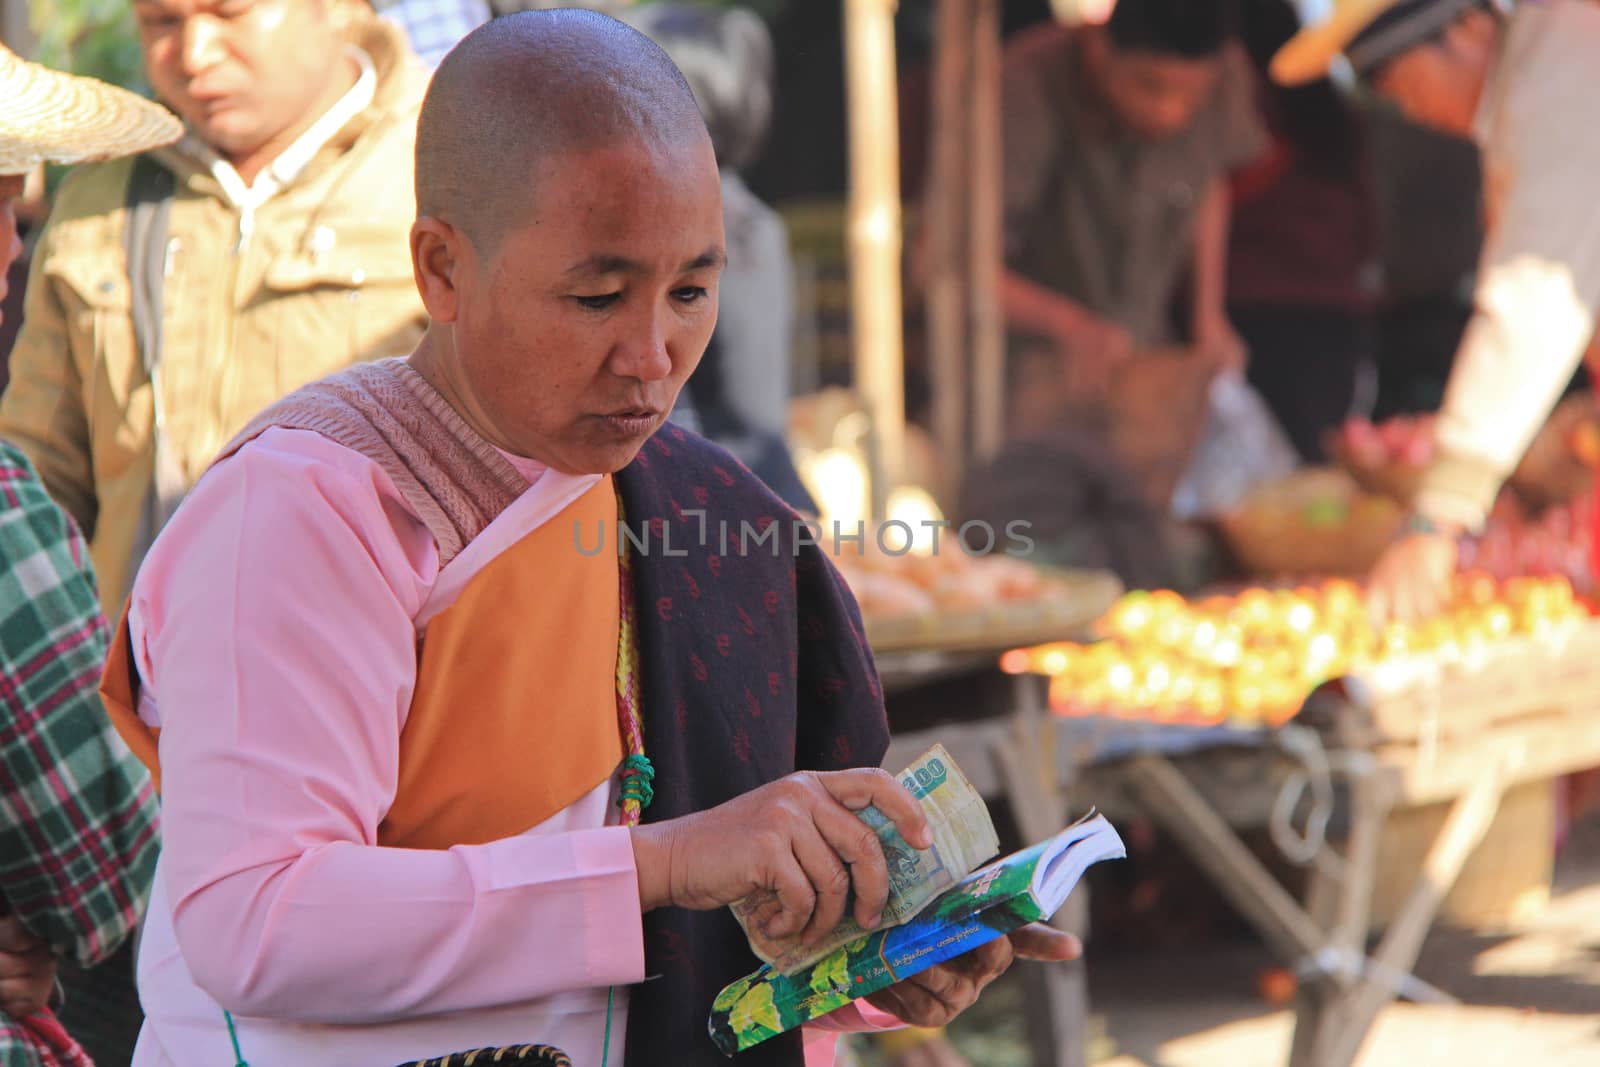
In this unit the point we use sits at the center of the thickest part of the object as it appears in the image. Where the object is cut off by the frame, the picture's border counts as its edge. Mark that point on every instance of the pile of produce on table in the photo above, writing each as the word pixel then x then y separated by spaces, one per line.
pixel 923 583
pixel 1253 658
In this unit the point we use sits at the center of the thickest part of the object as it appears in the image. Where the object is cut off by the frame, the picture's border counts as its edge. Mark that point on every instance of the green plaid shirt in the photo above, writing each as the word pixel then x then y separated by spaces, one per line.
pixel 78 836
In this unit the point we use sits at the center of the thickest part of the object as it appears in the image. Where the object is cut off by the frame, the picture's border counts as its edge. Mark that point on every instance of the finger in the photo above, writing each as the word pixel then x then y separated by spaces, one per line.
pixel 1040 942
pixel 979 961
pixel 829 878
pixel 915 1005
pixel 888 999
pixel 853 842
pixel 797 898
pixel 953 987
pixel 870 787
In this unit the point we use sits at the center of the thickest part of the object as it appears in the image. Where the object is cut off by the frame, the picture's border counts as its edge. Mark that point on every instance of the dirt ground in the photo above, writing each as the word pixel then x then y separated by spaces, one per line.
pixel 1529 996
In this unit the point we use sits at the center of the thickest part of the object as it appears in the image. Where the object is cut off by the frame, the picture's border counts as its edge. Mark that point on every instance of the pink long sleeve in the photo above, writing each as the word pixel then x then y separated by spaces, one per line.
pixel 273 624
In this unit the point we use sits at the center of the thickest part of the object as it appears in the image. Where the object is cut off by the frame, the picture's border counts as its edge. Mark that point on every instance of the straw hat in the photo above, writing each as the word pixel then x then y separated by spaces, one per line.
pixel 47 116
pixel 1307 56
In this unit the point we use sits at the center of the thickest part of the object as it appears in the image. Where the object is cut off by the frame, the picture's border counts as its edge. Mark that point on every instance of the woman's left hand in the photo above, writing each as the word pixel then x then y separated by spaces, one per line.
pixel 940 993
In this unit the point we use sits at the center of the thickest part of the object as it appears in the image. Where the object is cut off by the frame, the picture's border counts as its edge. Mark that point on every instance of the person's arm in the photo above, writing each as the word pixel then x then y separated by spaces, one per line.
pixel 1032 142
pixel 274 628
pixel 1538 293
pixel 1032 308
pixel 1211 326
pixel 1535 314
pixel 1090 348
pixel 1536 306
pixel 1238 138
pixel 42 409
pixel 78 840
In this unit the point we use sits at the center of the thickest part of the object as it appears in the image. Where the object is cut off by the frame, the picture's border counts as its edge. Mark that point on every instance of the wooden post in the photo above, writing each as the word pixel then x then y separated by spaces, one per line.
pixel 987 250
pixel 875 235
pixel 944 235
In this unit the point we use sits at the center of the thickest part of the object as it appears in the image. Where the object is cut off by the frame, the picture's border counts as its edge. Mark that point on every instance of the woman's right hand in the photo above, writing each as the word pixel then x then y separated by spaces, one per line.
pixel 798 837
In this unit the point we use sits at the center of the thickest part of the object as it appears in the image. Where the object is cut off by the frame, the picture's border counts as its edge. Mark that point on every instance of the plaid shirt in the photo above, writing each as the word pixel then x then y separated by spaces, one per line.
pixel 78 837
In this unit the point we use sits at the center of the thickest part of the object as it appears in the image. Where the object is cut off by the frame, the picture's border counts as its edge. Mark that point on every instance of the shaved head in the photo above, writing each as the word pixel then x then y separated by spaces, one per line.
pixel 524 90
pixel 568 242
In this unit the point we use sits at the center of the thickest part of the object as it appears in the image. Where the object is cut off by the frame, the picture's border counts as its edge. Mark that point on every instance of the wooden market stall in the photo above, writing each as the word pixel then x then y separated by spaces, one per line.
pixel 1458 735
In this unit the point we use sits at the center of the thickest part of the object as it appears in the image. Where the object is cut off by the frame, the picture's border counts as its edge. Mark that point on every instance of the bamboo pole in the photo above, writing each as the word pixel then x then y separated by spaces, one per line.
pixel 987 238
pixel 945 232
pixel 875 235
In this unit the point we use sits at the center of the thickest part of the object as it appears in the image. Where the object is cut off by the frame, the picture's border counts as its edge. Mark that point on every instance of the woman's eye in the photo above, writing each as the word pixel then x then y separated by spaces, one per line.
pixel 689 294
pixel 597 303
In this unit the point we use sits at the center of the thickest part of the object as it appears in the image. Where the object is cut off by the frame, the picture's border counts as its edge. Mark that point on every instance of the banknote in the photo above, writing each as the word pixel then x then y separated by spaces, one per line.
pixel 963 838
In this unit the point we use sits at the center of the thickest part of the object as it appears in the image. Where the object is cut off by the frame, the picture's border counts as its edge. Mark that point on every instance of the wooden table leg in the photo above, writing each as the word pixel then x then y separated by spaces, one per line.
pixel 1162 790
pixel 1339 900
pixel 1056 995
pixel 1397 953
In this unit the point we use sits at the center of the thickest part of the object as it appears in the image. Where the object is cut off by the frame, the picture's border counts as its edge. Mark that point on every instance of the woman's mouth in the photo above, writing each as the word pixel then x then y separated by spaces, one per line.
pixel 633 422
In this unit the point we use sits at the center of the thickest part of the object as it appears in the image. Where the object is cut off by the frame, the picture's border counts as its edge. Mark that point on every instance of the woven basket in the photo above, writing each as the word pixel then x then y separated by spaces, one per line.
pixel 508 1056
pixel 1279 532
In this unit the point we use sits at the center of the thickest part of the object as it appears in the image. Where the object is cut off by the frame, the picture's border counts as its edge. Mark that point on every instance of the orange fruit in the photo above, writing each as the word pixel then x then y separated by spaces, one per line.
pixel 1277 985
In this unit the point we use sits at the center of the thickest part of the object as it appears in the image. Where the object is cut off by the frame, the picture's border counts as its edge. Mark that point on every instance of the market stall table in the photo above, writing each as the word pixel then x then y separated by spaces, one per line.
pixel 1420 731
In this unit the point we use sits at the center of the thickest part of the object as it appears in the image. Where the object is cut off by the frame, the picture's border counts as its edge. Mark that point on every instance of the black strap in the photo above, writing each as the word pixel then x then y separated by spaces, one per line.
pixel 144 241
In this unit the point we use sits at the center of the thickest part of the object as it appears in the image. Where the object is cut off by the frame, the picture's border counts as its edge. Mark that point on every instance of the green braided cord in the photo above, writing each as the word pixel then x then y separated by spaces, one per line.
pixel 637 775
pixel 233 1035
pixel 605 1050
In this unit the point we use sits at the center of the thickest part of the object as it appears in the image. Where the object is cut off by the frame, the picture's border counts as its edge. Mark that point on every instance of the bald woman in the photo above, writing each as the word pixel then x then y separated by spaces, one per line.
pixel 440 767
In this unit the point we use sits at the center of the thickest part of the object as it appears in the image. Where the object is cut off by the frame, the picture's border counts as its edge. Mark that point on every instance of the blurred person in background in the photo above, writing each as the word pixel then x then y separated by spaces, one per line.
pixel 739 395
pixel 78 835
pixel 1118 141
pixel 1303 245
pixel 434 26
pixel 1521 83
pixel 174 295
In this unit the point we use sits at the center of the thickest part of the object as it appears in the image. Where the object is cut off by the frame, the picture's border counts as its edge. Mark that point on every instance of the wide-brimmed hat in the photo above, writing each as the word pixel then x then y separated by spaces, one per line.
pixel 1308 55
pixel 47 116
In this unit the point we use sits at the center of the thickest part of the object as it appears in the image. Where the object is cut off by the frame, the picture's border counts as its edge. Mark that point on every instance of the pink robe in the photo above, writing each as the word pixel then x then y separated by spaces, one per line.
pixel 282 704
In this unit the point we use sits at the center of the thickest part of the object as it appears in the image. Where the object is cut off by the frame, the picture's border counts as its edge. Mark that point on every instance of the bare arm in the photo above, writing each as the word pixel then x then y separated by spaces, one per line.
pixel 1031 307
pixel 1211 260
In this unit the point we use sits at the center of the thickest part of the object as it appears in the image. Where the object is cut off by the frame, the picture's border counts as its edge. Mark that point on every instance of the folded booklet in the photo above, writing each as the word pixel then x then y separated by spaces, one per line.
pixel 1025 887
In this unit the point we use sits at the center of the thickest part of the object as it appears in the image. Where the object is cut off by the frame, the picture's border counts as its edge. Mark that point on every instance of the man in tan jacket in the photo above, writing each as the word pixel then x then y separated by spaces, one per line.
pixel 175 295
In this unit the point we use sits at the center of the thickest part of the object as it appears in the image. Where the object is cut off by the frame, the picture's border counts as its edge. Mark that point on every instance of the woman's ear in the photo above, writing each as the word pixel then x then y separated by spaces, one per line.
pixel 440 254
